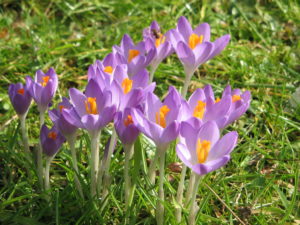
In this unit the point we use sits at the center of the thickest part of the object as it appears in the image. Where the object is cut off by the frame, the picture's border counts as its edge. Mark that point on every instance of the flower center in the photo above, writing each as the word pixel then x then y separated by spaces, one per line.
pixel 128 120
pixel 127 85
pixel 52 135
pixel 108 69
pixel 194 40
pixel 132 54
pixel 21 91
pixel 91 106
pixel 160 116
pixel 160 40
pixel 236 98
pixel 61 107
pixel 45 81
pixel 199 110
pixel 202 149
pixel 217 100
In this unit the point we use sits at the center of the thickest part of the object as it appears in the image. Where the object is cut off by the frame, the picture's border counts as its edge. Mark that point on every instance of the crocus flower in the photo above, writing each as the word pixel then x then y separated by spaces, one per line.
pixel 20 97
pixel 92 110
pixel 136 56
pixel 157 41
pixel 51 140
pixel 202 105
pixel 43 88
pixel 202 150
pixel 193 47
pixel 58 119
pixel 125 127
pixel 160 122
pixel 240 103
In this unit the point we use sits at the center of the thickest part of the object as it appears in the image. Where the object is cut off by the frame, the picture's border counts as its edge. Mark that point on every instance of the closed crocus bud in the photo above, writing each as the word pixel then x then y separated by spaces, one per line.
pixel 20 97
pixel 125 127
pixel 58 119
pixel 51 140
pixel 43 88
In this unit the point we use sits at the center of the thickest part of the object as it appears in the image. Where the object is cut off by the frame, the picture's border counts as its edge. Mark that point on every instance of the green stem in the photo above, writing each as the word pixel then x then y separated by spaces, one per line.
pixel 94 160
pixel 160 207
pixel 24 135
pixel 151 172
pixel 71 140
pixel 193 210
pixel 152 71
pixel 180 194
pixel 190 189
pixel 47 172
pixel 128 185
pixel 106 178
pixel 40 152
pixel 186 85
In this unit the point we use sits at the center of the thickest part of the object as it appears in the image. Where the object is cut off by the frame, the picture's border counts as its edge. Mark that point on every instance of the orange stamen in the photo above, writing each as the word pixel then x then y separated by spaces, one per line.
pixel 132 54
pixel 236 98
pixel 202 150
pixel 21 91
pixel 127 85
pixel 217 100
pixel 108 69
pixel 128 120
pixel 160 116
pixel 194 40
pixel 52 135
pixel 160 40
pixel 61 107
pixel 91 106
pixel 45 81
pixel 199 110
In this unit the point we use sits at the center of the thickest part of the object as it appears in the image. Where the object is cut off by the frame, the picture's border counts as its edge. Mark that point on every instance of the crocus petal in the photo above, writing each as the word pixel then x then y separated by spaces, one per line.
pixel 185 54
pixel 71 116
pixel 107 116
pixel 90 121
pixel 202 52
pixel 202 169
pixel 184 154
pixel 78 99
pixel 219 45
pixel 210 132
pixel 184 28
pixel 170 133
pixel 203 29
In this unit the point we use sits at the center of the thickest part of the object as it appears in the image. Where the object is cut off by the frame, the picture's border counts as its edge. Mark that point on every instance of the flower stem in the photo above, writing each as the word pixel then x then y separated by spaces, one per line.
pixel 106 178
pixel 180 194
pixel 152 71
pixel 151 172
pixel 129 189
pixel 40 153
pixel 186 84
pixel 24 135
pixel 193 209
pixel 190 189
pixel 161 195
pixel 71 140
pixel 94 160
pixel 47 172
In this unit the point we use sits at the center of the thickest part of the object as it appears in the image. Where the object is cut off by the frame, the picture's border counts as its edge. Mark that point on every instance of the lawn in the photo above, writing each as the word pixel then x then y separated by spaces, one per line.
pixel 260 184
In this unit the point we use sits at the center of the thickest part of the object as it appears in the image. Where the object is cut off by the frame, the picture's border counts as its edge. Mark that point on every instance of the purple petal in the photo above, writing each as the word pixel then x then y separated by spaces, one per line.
pixel 210 132
pixel 184 154
pixel 170 133
pixel 185 54
pixel 202 169
pixel 78 99
pixel 220 44
pixel 184 28
pixel 203 29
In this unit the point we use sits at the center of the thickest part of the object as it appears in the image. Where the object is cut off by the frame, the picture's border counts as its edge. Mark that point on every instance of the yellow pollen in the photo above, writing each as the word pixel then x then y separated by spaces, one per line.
pixel 217 100
pixel 202 150
pixel 91 106
pixel 160 116
pixel 21 91
pixel 128 120
pixel 236 98
pixel 194 40
pixel 45 81
pixel 199 110
pixel 108 69
pixel 127 85
pixel 61 107
pixel 132 54
pixel 52 135
pixel 160 40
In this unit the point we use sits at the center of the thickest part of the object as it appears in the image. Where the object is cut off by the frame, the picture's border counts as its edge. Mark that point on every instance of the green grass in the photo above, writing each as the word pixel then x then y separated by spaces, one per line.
pixel 261 182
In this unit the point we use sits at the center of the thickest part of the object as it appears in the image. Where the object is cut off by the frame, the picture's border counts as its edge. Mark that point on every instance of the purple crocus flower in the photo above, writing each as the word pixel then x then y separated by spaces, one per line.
pixel 160 122
pixel 43 88
pixel 125 127
pixel 202 150
pixel 203 106
pixel 20 97
pixel 240 103
pixel 51 140
pixel 135 56
pixel 60 122
pixel 193 47
pixel 157 41
pixel 92 110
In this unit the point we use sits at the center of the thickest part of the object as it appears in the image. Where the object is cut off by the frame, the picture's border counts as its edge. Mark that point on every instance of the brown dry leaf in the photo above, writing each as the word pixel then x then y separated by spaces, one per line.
pixel 175 167
pixel 3 33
